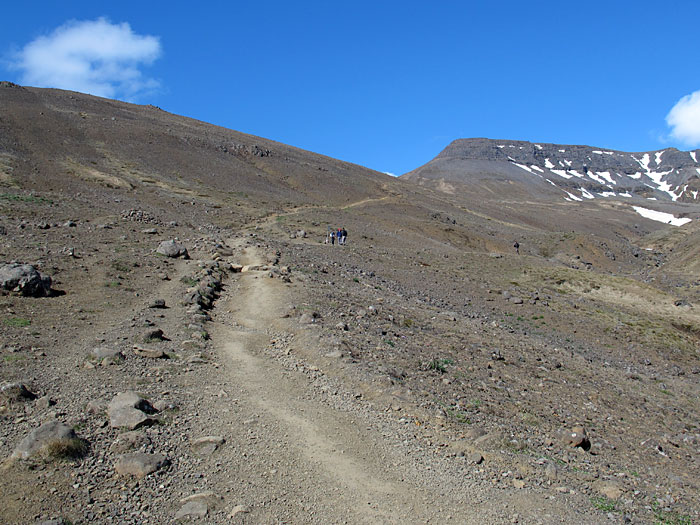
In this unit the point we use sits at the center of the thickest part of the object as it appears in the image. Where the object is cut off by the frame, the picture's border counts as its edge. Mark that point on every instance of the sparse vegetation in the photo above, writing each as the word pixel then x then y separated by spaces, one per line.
pixel 604 504
pixel 16 322
pixel 440 365
pixel 66 449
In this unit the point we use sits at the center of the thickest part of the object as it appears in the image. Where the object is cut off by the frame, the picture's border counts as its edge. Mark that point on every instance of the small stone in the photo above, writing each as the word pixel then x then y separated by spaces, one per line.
pixel 140 464
pixel 239 509
pixel 154 335
pixel 518 484
pixel 475 458
pixel 193 509
pixel 45 402
pixel 105 355
pixel 151 353
pixel 207 444
pixel 157 303
pixel 173 249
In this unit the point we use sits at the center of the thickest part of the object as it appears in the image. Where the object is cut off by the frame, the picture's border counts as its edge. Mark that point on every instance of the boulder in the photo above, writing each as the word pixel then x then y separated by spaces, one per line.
pixel 24 279
pixel 173 249
pixel 48 434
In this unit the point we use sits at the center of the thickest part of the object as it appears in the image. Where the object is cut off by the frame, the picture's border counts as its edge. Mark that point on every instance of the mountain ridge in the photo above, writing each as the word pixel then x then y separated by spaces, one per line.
pixel 577 172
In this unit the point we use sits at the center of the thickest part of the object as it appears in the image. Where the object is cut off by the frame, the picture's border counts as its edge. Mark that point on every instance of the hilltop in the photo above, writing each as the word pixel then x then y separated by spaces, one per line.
pixel 424 372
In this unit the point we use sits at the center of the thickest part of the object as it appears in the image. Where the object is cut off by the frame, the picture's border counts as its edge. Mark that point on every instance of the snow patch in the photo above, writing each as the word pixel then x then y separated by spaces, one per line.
pixel 692 156
pixel 562 173
pixel 606 175
pixel 658 157
pixel 607 194
pixel 538 146
pixel 586 194
pixel 666 218
pixel 548 164
pixel 537 168
pixel 597 152
pixel 501 146
pixel 572 196
pixel 626 194
pixel 576 174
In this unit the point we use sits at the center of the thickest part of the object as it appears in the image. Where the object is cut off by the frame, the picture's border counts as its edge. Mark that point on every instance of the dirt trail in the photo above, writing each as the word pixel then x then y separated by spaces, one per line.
pixel 338 457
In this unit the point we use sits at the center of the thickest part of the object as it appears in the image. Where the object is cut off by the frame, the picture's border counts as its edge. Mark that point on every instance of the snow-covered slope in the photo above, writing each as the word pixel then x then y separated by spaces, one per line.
pixel 577 172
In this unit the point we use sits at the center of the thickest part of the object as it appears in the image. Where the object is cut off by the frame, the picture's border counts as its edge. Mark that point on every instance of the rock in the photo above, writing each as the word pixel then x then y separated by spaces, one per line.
pixel 24 279
pixel 129 441
pixel 139 464
pixel 69 224
pixel 45 402
pixel 104 355
pixel 516 300
pixel 207 444
pixel 153 335
pixel 236 268
pixel 518 484
pixel 96 407
pixel 193 509
pixel 129 410
pixel 51 434
pixel 16 392
pixel 610 490
pixel 173 249
pixel 150 231
pixel 475 458
pixel 309 318
pixel 150 352
pixel 157 303
pixel 239 509
pixel 576 438
pixel 551 472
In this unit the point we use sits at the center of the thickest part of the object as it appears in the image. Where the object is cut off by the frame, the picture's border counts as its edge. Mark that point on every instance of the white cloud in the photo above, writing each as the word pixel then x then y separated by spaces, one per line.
pixel 91 56
pixel 684 119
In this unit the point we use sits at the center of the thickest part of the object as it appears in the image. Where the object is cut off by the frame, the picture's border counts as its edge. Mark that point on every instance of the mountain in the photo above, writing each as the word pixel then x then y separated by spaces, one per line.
pixel 569 172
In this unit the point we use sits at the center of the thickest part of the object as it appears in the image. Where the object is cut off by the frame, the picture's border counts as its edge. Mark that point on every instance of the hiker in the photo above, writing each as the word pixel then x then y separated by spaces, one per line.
pixel 339 236
pixel 343 235
pixel 332 234
pixel 516 245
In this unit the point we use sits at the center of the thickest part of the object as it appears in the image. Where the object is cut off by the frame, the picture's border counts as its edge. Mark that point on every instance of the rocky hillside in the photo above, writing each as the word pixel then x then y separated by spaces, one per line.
pixel 178 343
pixel 572 172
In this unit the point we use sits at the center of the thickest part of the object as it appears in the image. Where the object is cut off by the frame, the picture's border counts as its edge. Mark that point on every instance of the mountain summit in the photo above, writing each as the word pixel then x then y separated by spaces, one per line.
pixel 572 172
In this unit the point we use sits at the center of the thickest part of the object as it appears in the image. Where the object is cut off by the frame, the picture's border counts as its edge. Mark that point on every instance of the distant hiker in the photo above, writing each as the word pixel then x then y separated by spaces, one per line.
pixel 332 237
pixel 343 236
pixel 339 235
pixel 516 245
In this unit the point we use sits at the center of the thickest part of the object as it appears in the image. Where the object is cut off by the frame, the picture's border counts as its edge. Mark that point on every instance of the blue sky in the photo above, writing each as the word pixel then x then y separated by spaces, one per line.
pixel 383 84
